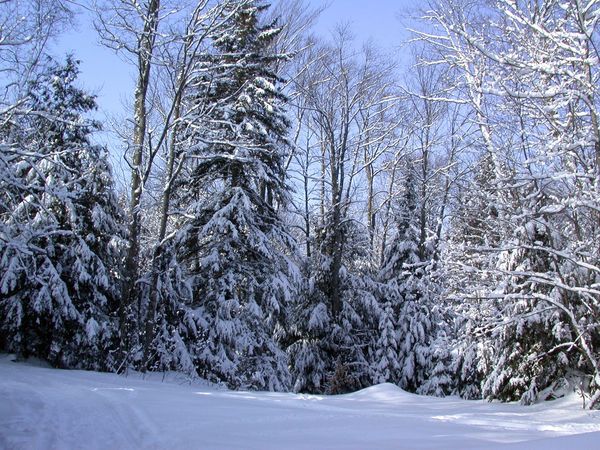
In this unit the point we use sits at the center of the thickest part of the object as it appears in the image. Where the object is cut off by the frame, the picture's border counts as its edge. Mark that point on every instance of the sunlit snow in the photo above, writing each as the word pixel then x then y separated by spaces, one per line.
pixel 45 408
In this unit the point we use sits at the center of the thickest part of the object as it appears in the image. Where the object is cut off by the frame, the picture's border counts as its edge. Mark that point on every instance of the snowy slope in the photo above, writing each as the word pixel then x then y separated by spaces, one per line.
pixel 42 408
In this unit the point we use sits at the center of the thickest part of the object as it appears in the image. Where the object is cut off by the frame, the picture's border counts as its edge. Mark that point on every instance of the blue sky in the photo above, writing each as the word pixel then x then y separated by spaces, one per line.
pixel 370 19
pixel 111 80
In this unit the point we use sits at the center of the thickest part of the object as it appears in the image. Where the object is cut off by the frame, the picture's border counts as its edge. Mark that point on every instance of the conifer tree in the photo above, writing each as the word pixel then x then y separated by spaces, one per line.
pixel 476 228
pixel 61 231
pixel 530 343
pixel 411 292
pixel 387 365
pixel 233 241
pixel 332 351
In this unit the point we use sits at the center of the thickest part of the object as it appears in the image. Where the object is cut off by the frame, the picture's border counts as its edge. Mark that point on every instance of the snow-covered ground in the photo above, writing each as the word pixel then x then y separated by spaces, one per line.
pixel 43 408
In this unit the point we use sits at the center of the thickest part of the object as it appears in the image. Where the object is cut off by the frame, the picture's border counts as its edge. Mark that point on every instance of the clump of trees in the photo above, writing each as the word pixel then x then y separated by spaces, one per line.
pixel 303 215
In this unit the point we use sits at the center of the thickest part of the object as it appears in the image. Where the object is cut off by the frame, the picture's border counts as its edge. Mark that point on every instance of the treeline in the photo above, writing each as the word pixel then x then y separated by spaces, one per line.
pixel 304 214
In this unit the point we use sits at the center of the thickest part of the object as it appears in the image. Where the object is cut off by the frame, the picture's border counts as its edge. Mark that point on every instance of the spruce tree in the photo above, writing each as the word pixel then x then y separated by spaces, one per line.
pixel 387 367
pixel 411 292
pixel 233 241
pixel 332 351
pixel 532 342
pixel 476 228
pixel 61 231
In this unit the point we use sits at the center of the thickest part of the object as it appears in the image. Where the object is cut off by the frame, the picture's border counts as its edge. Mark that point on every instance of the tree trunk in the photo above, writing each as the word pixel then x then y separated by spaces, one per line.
pixel 157 259
pixel 145 48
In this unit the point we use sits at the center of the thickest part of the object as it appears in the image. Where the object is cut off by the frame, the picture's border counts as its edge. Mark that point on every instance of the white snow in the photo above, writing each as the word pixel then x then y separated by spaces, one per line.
pixel 43 408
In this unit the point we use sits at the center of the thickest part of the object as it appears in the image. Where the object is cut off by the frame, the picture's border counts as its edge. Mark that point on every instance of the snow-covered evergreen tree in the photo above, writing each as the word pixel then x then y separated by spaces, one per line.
pixel 332 351
pixel 422 356
pixel 310 324
pixel 232 240
pixel 476 227
pixel 174 329
pixel 60 230
pixel 530 341
pixel 387 367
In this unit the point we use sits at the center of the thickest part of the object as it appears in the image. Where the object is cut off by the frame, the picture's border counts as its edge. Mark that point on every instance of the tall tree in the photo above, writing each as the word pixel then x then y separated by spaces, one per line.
pixel 165 295
pixel 408 289
pixel 131 27
pixel 232 240
pixel 536 63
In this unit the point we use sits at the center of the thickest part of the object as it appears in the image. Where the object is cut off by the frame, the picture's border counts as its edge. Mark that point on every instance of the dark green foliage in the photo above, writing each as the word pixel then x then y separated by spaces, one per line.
pixel 60 252
pixel 233 242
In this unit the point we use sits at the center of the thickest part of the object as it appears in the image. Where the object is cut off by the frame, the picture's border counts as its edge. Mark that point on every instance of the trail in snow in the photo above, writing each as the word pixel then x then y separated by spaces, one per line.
pixel 43 408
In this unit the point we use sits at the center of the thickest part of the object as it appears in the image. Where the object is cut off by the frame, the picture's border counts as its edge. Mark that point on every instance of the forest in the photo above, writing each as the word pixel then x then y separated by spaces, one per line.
pixel 307 213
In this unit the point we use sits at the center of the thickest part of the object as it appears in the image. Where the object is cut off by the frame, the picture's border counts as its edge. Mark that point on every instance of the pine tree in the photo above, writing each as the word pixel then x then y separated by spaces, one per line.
pixel 472 362
pixel 61 231
pixel 332 351
pixel 174 329
pixel 411 292
pixel 387 366
pixel 308 336
pixel 530 342
pixel 476 228
pixel 233 241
